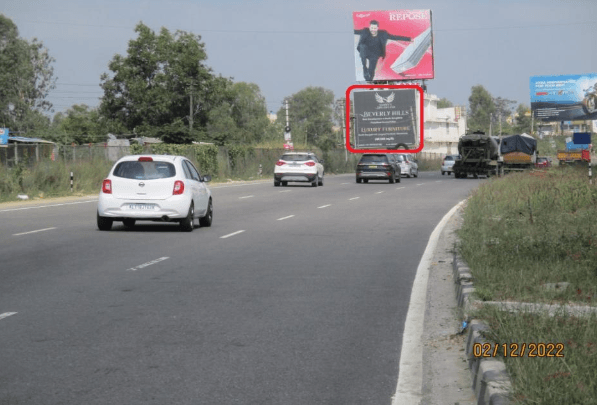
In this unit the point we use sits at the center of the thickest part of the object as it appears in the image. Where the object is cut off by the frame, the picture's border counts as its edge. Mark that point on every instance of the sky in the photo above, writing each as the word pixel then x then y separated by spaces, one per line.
pixel 285 46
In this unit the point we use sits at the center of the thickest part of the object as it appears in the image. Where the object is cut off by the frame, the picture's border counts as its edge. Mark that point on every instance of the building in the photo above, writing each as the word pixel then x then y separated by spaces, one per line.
pixel 443 128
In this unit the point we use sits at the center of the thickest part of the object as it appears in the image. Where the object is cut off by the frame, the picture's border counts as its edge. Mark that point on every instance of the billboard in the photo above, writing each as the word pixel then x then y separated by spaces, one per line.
pixel 387 119
pixel 393 45
pixel 564 98
pixel 3 136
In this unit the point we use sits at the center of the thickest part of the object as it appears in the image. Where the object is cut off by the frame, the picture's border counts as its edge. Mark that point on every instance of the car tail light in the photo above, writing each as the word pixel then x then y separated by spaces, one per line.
pixel 178 188
pixel 145 159
pixel 107 186
pixel 310 164
pixel 280 163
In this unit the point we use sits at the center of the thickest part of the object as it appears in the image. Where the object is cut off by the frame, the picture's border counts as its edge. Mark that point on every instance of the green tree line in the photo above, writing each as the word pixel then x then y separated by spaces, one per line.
pixel 162 88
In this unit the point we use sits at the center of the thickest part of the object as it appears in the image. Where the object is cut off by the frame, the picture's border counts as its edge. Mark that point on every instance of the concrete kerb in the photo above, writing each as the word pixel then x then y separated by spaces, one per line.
pixel 491 382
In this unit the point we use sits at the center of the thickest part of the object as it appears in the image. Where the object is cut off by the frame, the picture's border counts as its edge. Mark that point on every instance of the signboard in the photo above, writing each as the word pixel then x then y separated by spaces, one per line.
pixel 581 138
pixel 385 118
pixel 564 98
pixel 393 45
pixel 3 136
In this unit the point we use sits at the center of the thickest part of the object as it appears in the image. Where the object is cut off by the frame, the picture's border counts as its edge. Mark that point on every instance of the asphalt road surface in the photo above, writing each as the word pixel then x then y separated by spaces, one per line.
pixel 295 295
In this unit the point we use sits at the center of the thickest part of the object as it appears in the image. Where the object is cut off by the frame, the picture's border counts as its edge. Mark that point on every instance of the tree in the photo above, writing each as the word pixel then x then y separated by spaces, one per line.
pixel 26 78
pixel 310 114
pixel 523 121
pixel 161 84
pixel 444 103
pixel 481 108
pixel 503 110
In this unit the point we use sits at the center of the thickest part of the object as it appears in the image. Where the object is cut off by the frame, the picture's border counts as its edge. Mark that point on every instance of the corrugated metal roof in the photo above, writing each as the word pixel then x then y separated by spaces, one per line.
pixel 28 140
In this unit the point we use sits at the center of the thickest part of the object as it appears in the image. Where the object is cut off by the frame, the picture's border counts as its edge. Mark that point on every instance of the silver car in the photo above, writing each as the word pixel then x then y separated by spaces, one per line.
pixel 448 163
pixel 408 165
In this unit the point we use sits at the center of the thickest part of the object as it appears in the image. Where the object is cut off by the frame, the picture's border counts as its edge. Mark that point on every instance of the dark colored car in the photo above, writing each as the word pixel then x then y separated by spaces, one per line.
pixel 378 166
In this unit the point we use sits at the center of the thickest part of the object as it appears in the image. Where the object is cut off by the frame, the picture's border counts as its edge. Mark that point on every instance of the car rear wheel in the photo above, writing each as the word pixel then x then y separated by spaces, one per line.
pixel 129 223
pixel 276 183
pixel 444 173
pixel 103 223
pixel 358 181
pixel 209 215
pixel 186 225
pixel 284 183
pixel 321 181
pixel 315 182
pixel 365 180
pixel 417 173
pixel 393 178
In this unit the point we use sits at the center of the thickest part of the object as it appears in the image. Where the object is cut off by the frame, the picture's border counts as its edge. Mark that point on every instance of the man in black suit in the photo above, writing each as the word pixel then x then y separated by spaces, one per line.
pixel 372 46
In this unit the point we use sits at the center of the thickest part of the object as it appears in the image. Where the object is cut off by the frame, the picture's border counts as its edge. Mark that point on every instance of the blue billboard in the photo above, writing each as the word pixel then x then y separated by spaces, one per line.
pixel 564 98
pixel 3 136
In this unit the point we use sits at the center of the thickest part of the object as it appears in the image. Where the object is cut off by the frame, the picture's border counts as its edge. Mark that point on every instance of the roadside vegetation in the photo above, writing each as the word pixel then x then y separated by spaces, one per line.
pixel 532 237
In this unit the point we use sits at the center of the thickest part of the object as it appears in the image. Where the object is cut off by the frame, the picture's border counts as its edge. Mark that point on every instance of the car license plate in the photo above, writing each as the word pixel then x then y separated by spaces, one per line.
pixel 141 206
pixel 372 167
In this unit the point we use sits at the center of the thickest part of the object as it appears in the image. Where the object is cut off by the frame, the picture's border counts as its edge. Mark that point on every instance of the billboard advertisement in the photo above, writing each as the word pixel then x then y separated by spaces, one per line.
pixel 393 45
pixel 564 98
pixel 3 136
pixel 385 119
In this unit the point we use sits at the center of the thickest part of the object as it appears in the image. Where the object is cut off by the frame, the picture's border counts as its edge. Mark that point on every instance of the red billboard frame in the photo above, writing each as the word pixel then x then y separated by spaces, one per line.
pixel 381 87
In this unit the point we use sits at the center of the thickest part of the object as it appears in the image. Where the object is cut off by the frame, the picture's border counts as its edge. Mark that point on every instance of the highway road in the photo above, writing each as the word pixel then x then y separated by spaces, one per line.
pixel 295 295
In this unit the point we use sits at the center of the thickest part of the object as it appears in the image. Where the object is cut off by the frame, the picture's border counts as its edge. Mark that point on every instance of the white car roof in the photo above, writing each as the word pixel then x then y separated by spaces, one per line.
pixel 162 158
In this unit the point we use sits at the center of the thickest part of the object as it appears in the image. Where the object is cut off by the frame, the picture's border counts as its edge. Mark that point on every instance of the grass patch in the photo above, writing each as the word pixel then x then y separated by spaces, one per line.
pixel 541 379
pixel 524 231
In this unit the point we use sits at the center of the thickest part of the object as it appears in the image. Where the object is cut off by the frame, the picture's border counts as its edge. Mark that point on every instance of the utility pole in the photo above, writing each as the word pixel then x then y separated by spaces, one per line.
pixel 343 121
pixel 191 113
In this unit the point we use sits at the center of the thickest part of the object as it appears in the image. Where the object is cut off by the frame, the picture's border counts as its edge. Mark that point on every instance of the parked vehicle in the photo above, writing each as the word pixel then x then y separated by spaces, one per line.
pixel 155 188
pixel 299 167
pixel 543 162
pixel 448 164
pixel 408 166
pixel 378 166
pixel 518 152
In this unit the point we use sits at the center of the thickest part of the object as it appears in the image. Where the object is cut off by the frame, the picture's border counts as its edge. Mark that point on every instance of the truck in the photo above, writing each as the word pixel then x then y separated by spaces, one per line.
pixel 575 154
pixel 517 153
pixel 478 155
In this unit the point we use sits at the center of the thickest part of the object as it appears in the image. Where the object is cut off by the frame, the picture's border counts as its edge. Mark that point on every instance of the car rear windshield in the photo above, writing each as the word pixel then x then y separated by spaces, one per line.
pixel 373 159
pixel 144 170
pixel 449 158
pixel 296 158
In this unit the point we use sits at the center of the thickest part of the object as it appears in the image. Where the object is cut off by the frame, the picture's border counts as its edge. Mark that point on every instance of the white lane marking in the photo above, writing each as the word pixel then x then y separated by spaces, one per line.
pixel 325 206
pixel 344 183
pixel 232 234
pixel 379 192
pixel 283 218
pixel 39 230
pixel 420 184
pixel 141 266
pixel 353 198
pixel 285 191
pixel 6 314
pixel 46 206
pixel 247 196
pixel 438 181
pixel 409 388
pixel 399 188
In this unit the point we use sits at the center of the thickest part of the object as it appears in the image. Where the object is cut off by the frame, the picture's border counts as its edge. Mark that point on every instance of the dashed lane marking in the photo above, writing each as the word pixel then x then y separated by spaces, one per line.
pixel 285 191
pixel 141 266
pixel 399 188
pixel 353 198
pixel 283 218
pixel 46 206
pixel 39 230
pixel 247 196
pixel 6 314
pixel 325 206
pixel 420 184
pixel 232 234
pixel 379 192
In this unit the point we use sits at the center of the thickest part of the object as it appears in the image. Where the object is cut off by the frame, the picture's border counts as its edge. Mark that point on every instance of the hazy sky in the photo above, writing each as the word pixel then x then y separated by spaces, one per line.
pixel 284 46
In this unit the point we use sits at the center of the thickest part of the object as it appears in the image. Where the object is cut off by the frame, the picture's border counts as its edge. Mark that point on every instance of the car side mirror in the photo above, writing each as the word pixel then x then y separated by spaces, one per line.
pixel 207 177
pixel 322 161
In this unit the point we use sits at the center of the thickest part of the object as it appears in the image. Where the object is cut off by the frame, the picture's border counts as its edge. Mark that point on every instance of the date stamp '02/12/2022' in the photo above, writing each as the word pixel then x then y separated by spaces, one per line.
pixel 518 349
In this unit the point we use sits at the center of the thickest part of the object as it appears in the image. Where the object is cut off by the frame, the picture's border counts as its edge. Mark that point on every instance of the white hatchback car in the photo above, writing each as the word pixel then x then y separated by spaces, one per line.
pixel 298 166
pixel 154 188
